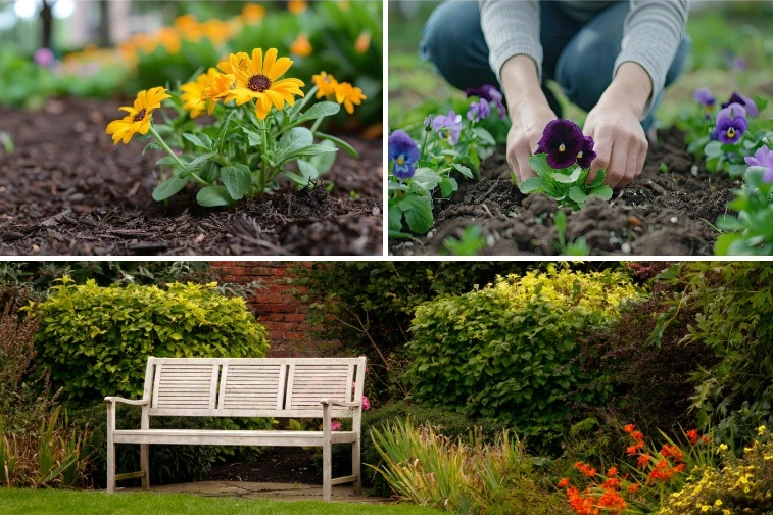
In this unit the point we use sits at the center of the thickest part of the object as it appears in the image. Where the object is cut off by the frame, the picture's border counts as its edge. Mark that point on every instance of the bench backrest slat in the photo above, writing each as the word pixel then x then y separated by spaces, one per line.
pixel 243 387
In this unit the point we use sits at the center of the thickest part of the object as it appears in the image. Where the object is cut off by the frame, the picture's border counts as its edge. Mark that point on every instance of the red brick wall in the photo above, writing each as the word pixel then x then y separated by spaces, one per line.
pixel 283 316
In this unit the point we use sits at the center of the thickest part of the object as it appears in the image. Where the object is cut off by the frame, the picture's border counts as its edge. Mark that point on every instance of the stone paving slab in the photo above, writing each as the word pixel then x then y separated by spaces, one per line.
pixel 256 491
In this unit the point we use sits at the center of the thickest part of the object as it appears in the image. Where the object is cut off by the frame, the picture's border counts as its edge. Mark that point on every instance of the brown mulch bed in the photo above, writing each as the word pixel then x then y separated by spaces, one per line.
pixel 66 190
pixel 660 214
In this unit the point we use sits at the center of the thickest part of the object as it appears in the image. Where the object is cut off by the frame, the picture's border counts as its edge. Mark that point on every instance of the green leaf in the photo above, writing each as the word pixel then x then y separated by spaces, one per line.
pixel 539 163
pixel 713 149
pixel 324 162
pixel 578 195
pixel 309 151
pixel 566 179
pixel 603 191
pixel 301 181
pixel 466 160
pixel 319 110
pixel 427 178
pixel 150 146
pixel 193 165
pixel 214 196
pixel 168 188
pixel 736 170
pixel 418 213
pixel 166 161
pixel 532 184
pixel 395 218
pixel 485 137
pixel 308 170
pixel 295 138
pixel 447 186
pixel 467 172
pixel 237 179
pixel 341 143
pixel 253 137
pixel 193 138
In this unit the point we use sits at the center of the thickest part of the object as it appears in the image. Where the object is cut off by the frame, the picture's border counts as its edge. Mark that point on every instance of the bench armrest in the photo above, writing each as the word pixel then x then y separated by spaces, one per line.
pixel 126 401
pixel 327 402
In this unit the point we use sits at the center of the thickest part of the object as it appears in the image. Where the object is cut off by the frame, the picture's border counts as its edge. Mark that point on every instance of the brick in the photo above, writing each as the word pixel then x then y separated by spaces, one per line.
pixel 276 308
pixel 295 317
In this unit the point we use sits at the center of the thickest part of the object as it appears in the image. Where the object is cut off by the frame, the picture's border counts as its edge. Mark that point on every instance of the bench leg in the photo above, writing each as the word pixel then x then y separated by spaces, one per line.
pixel 357 485
pixel 327 471
pixel 145 465
pixel 110 464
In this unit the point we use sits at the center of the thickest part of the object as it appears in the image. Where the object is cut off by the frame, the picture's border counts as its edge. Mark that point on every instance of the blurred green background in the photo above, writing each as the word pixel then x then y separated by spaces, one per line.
pixel 732 48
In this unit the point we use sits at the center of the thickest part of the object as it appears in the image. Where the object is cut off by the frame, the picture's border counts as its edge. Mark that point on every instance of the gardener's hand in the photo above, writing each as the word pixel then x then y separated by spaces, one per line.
pixel 619 140
pixel 529 112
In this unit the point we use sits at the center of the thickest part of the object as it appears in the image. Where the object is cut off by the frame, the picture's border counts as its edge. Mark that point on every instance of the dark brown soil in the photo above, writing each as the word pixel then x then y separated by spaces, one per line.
pixel 661 214
pixel 66 190
pixel 272 465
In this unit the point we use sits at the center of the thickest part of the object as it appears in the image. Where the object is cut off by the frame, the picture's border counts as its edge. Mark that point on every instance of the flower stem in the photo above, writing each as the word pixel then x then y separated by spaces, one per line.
pixel 177 159
pixel 424 144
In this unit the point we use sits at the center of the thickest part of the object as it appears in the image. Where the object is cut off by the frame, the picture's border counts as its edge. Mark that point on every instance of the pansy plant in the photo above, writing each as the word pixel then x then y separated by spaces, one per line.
pixel 562 163
pixel 750 231
pixel 263 125
pixel 452 147
pixel 725 134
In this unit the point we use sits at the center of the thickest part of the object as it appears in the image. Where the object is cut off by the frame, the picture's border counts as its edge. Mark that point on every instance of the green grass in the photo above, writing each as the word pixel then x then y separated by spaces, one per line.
pixel 18 501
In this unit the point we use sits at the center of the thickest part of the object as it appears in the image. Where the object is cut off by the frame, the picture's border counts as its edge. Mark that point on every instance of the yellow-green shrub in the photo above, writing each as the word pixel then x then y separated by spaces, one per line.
pixel 509 351
pixel 96 340
pixel 742 485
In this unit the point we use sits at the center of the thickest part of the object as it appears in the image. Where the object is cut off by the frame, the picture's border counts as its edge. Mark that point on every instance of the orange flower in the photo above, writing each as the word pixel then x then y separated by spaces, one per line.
pixel 253 13
pixel 349 96
pixel 585 469
pixel 362 43
pixel 612 501
pixel 643 460
pixel 632 449
pixel 692 435
pixel 297 6
pixel 633 488
pixel 612 472
pixel 612 482
pixel 629 428
pixel 672 451
pixel 706 438
pixel 301 46
pixel 563 483
pixel 637 435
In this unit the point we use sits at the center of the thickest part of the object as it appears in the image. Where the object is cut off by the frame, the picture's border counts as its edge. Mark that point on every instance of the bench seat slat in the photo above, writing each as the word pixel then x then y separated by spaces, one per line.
pixel 272 438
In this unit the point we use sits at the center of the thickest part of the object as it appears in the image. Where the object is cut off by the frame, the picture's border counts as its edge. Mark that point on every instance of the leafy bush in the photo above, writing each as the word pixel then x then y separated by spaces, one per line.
pixel 52 456
pixel 428 468
pixel 741 485
pixel 168 463
pixel 96 340
pixel 734 319
pixel 509 351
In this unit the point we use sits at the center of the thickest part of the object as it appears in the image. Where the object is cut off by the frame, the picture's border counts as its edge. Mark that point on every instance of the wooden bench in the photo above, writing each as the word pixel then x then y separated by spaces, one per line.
pixel 266 387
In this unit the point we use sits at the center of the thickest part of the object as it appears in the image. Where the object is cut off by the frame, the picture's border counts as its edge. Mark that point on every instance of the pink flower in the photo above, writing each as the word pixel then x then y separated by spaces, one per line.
pixel 335 426
pixel 365 403
pixel 44 57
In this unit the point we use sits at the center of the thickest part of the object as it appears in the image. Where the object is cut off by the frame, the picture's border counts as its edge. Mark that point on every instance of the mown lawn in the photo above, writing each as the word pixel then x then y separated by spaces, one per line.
pixel 18 501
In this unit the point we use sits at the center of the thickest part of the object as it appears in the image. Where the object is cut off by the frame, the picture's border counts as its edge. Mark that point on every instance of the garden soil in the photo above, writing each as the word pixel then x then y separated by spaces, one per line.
pixel 660 214
pixel 66 190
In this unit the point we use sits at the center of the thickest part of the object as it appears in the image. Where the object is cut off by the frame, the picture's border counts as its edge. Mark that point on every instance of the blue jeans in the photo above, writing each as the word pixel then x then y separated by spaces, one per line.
pixel 579 56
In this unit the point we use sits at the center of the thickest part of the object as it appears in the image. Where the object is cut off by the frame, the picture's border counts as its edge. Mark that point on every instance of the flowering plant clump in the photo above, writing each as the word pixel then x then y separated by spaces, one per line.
pixel 726 134
pixel 750 232
pixel 641 486
pixel 562 163
pixel 452 145
pixel 257 132
pixel 740 485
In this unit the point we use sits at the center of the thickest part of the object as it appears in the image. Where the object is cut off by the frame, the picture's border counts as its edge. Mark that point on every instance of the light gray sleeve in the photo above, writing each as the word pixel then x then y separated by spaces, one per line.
pixel 511 28
pixel 653 31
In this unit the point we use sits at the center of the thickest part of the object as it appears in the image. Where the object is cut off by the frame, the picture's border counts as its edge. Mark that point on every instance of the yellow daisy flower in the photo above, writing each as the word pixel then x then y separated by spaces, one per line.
pixel 194 94
pixel 218 86
pixel 325 83
pixel 301 46
pixel 139 118
pixel 349 96
pixel 235 62
pixel 258 81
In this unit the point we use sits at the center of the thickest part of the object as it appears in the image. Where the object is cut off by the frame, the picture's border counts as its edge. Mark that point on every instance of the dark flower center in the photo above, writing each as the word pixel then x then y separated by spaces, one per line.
pixel 139 116
pixel 730 132
pixel 259 83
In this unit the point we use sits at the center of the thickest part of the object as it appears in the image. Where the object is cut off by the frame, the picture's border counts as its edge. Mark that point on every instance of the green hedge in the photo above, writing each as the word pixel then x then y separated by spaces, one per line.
pixel 96 340
pixel 509 351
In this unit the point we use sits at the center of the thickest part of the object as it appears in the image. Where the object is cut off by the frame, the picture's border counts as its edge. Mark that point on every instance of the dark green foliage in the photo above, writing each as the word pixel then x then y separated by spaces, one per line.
pixel 96 340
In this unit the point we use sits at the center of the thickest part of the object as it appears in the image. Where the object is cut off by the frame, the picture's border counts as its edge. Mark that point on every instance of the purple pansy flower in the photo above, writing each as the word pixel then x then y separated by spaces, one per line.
pixel 764 158
pixel 490 93
pixel 478 110
pixel 448 127
pixel 562 141
pixel 747 103
pixel 404 153
pixel 704 97
pixel 586 155
pixel 731 123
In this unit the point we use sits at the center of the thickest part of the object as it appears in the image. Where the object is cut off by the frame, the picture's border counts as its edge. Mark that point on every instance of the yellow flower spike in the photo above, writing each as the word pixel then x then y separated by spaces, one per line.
pixel 258 79
pixel 362 44
pixel 326 84
pixel 349 96
pixel 301 46
pixel 139 117
pixel 297 6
